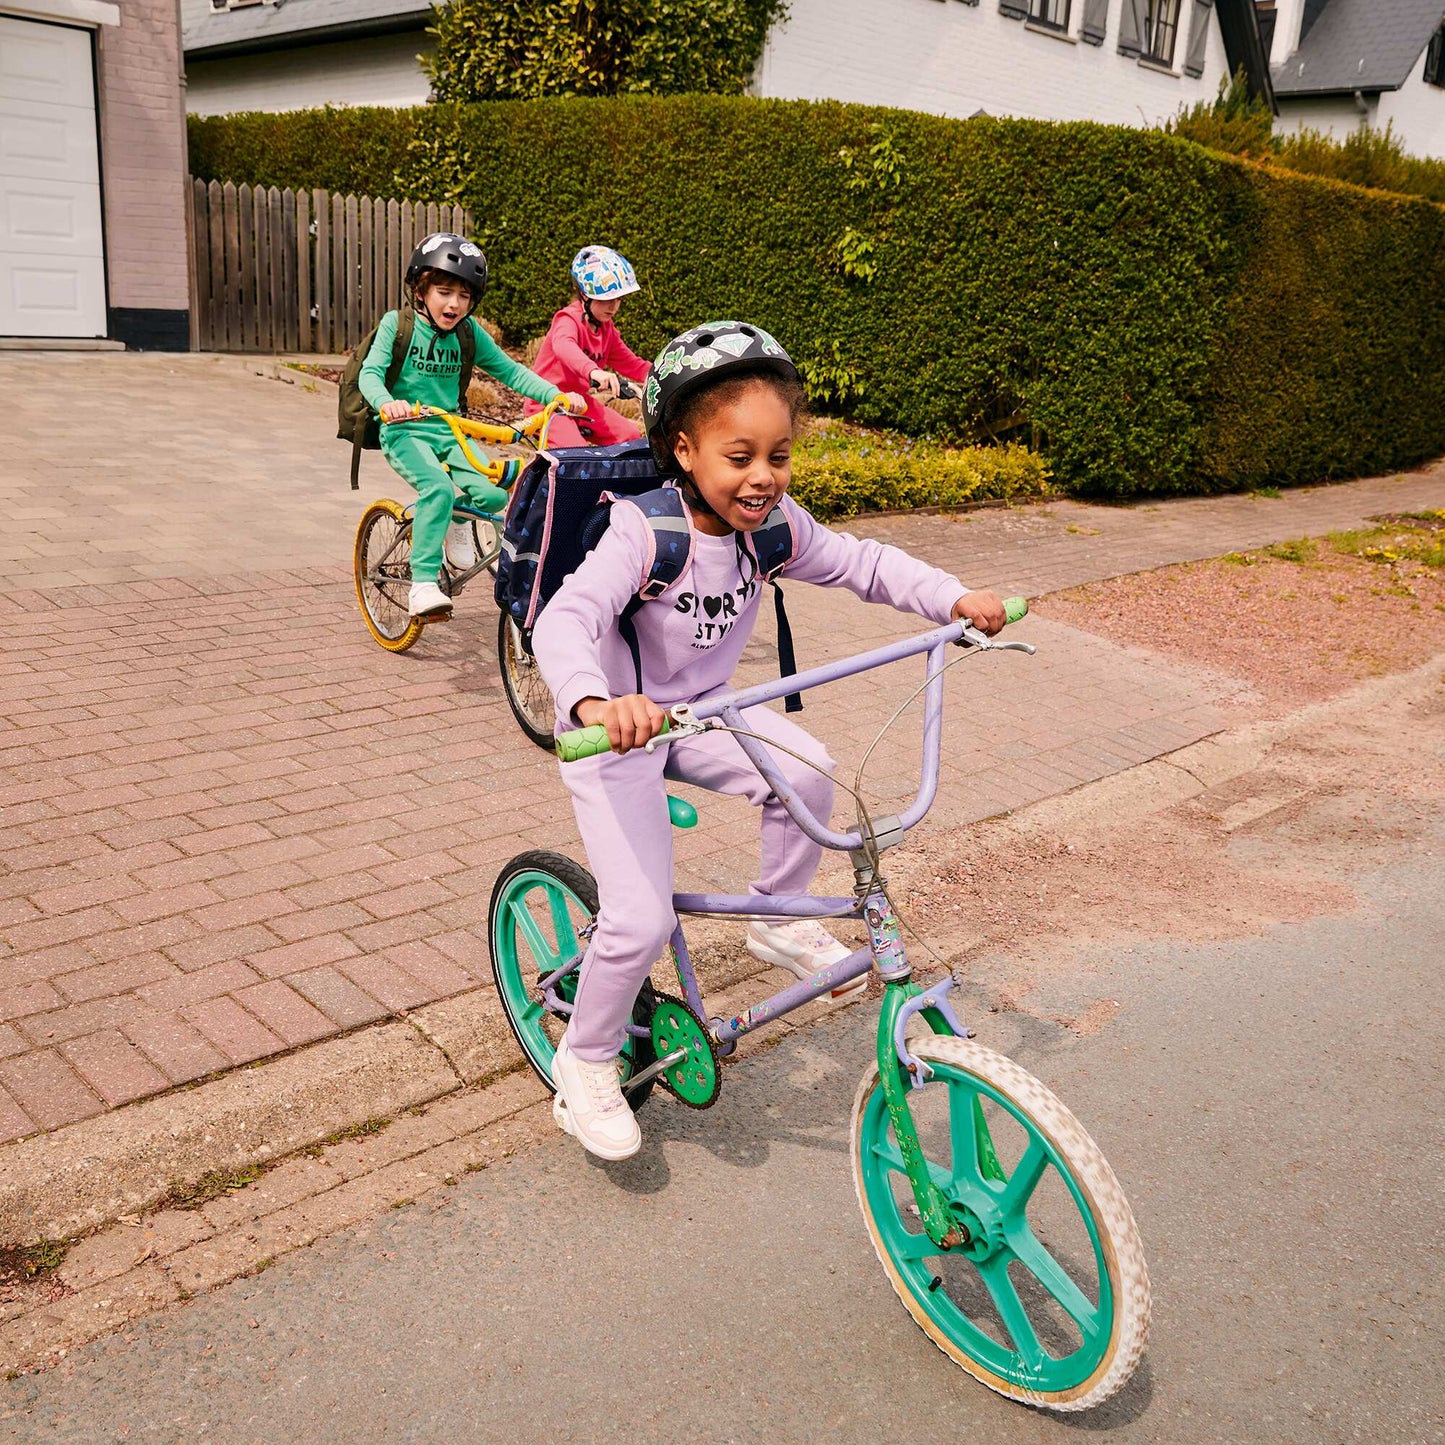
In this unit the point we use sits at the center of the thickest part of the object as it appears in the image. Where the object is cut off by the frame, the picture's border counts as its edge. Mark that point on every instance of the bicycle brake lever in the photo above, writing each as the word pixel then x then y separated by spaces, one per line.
pixel 972 637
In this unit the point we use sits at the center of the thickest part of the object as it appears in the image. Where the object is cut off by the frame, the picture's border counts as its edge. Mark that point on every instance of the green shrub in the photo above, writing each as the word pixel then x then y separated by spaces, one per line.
pixel 1152 316
pixel 837 475
pixel 524 50
pixel 1238 124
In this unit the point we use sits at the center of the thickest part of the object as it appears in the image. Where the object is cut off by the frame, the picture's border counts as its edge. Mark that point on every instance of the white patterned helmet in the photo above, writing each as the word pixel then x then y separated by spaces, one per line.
pixel 602 275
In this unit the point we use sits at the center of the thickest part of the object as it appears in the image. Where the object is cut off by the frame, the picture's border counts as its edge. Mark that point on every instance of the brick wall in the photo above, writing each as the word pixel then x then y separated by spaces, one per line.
pixel 955 59
pixel 143 157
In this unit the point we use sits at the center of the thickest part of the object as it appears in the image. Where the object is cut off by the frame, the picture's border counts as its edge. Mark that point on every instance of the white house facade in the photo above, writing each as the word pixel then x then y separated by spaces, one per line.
pixel 1338 64
pixel 293 54
pixel 1127 62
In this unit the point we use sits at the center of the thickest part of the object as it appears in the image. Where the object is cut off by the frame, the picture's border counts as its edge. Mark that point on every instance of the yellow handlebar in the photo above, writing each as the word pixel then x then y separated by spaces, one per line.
pixel 505 436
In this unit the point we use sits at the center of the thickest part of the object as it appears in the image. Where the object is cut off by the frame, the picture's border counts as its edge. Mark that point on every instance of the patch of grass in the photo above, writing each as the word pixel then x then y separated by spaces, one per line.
pixel 1272 494
pixel 1240 559
pixel 374 1125
pixel 32 1261
pixel 1302 549
pixel 209 1186
pixel 1420 540
pixel 401 1203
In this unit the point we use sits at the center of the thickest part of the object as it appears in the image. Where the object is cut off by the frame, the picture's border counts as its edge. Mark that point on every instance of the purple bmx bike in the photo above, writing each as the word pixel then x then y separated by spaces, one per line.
pixel 997 1219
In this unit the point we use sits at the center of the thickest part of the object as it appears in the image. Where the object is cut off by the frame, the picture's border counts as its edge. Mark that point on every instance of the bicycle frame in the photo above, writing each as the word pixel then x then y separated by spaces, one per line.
pixel 899 1069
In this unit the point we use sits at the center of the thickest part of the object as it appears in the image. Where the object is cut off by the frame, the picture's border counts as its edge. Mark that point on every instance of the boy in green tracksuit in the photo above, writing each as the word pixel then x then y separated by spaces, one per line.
pixel 445 281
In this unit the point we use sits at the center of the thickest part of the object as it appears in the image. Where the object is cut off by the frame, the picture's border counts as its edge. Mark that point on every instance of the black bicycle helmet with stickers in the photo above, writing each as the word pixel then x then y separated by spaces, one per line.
pixel 452 255
pixel 696 357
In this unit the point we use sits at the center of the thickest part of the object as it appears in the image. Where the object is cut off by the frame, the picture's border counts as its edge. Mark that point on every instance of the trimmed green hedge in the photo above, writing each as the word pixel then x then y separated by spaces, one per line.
pixel 836 476
pixel 1153 316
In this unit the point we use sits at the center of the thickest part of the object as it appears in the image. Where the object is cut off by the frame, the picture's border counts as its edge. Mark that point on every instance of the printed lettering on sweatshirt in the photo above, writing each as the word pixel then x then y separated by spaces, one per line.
pixel 714 614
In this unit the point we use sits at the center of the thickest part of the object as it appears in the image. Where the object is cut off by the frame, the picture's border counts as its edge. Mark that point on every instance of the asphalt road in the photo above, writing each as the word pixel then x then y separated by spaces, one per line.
pixel 1272 1106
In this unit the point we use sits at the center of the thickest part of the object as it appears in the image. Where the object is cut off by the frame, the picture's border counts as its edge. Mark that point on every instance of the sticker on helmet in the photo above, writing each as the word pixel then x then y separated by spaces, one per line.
pixel 432 242
pixel 467 248
pixel 650 393
pixel 735 343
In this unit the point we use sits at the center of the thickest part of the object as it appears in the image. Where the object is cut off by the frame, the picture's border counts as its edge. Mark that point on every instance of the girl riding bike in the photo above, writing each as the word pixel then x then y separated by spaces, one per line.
pixel 721 407
pixel 583 350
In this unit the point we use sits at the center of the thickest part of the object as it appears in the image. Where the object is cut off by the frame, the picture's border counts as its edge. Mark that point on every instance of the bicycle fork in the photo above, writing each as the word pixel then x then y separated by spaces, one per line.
pixel 901 1072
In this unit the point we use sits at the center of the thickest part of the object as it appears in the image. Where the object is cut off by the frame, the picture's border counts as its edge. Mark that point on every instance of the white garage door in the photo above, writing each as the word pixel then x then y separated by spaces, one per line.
pixel 52 271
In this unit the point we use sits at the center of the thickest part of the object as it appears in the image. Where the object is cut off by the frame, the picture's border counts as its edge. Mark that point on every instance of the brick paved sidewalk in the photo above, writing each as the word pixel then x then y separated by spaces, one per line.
pixel 232 825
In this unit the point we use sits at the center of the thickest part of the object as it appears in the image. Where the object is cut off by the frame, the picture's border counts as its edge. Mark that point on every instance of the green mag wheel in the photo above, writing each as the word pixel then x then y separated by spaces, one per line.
pixel 541 902
pixel 1048 1302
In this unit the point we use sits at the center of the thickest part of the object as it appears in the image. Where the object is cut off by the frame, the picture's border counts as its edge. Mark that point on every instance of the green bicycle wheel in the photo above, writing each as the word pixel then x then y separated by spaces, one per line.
pixel 540 904
pixel 1048 1302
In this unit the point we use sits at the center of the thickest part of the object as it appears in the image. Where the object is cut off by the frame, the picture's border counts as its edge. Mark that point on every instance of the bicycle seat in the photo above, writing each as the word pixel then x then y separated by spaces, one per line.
pixel 683 815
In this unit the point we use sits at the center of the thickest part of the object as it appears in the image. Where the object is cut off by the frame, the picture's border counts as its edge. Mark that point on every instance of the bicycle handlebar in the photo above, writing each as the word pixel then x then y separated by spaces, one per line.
pixel 588 742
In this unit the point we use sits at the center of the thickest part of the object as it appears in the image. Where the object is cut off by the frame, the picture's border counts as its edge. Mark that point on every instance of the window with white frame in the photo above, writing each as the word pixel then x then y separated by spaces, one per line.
pixel 1051 14
pixel 1161 30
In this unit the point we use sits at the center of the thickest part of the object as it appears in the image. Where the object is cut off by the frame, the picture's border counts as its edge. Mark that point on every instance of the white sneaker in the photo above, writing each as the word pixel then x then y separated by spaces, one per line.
pixel 426 599
pixel 461 547
pixel 803 948
pixel 589 1105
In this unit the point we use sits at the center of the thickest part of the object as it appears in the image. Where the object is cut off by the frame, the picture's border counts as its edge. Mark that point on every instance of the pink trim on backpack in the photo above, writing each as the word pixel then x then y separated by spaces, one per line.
pixel 546 537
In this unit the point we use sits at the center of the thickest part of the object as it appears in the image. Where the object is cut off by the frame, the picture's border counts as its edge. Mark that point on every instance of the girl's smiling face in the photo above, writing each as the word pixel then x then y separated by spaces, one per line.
pixel 740 458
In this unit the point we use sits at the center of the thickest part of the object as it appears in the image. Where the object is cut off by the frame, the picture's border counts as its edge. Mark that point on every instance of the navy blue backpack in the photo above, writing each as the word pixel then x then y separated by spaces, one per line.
pixel 559 510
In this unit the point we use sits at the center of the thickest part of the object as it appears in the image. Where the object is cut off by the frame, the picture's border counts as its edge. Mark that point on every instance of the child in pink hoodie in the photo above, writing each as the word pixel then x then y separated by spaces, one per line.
pixel 720 408
pixel 584 346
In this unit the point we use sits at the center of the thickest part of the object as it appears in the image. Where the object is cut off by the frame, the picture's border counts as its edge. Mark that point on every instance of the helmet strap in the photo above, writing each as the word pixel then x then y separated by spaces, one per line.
pixel 692 496
pixel 592 321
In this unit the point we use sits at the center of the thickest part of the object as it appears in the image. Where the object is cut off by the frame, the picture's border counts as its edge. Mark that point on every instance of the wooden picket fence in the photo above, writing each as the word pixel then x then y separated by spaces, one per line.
pixel 299 271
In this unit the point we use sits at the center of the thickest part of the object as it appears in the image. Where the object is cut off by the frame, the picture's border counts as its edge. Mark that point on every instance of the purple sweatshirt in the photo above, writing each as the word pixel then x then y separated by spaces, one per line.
pixel 691 638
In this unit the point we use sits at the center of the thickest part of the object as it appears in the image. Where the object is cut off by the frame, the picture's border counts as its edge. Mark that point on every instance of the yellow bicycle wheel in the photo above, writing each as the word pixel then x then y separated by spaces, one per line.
pixel 381 568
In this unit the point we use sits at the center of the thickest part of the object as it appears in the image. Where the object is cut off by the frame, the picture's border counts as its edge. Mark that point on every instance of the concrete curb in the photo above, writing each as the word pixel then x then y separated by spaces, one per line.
pixel 87 1174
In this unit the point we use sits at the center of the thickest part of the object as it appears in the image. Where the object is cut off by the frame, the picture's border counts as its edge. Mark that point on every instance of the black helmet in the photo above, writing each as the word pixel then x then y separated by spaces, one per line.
pixel 698 356
pixel 453 255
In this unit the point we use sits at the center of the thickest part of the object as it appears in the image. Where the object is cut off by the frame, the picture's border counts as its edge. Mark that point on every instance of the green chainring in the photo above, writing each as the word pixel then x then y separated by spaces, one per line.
pixel 695 1079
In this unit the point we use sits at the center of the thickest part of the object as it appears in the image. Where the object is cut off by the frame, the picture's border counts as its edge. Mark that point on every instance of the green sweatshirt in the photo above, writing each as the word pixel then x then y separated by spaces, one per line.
pixel 433 366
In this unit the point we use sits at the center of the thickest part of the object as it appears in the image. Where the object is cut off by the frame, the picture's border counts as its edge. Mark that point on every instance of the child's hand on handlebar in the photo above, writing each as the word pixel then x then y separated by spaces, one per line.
pixel 576 403
pixel 605 382
pixel 630 721
pixel 983 609
pixel 396 411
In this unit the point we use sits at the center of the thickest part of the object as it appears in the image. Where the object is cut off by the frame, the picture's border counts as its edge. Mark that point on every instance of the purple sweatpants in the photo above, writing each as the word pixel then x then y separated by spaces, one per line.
pixel 621 806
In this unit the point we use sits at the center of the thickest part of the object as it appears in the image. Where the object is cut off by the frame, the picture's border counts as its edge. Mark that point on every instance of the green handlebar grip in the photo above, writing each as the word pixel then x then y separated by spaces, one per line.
pixel 587 742
pixel 1014 608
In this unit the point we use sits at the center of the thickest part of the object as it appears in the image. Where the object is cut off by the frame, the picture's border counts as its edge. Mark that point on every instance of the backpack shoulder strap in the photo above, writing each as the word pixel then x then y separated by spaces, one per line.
pixel 467 337
pixel 400 344
pixel 772 544
pixel 669 559
pixel 671 536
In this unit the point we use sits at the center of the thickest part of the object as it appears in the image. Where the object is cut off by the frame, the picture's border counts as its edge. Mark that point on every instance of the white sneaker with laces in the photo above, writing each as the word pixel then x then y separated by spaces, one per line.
pixel 461 547
pixel 589 1105
pixel 426 599
pixel 803 947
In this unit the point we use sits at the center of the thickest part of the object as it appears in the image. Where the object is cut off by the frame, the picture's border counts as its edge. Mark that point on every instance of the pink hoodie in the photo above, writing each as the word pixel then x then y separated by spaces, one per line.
pixel 573 349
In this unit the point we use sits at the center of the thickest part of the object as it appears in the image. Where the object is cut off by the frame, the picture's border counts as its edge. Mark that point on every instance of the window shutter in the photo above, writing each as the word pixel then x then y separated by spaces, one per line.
pixel 1096 17
pixel 1014 9
pixel 1131 28
pixel 1198 36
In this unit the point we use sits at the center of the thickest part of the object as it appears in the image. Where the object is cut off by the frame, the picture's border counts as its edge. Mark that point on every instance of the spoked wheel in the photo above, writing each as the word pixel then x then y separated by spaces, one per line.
pixel 540 904
pixel 527 695
pixel 1048 1302
pixel 381 566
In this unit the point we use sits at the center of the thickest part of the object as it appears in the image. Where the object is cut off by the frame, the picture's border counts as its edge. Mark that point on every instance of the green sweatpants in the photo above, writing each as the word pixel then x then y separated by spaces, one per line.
pixel 417 452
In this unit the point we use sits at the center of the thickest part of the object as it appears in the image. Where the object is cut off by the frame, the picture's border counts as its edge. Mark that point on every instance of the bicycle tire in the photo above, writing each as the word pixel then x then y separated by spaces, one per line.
pixel 568 892
pixel 384 531
pixel 528 696
pixel 1112 1329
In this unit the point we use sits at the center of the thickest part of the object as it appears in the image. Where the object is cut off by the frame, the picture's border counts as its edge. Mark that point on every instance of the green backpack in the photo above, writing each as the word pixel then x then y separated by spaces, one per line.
pixel 356 422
